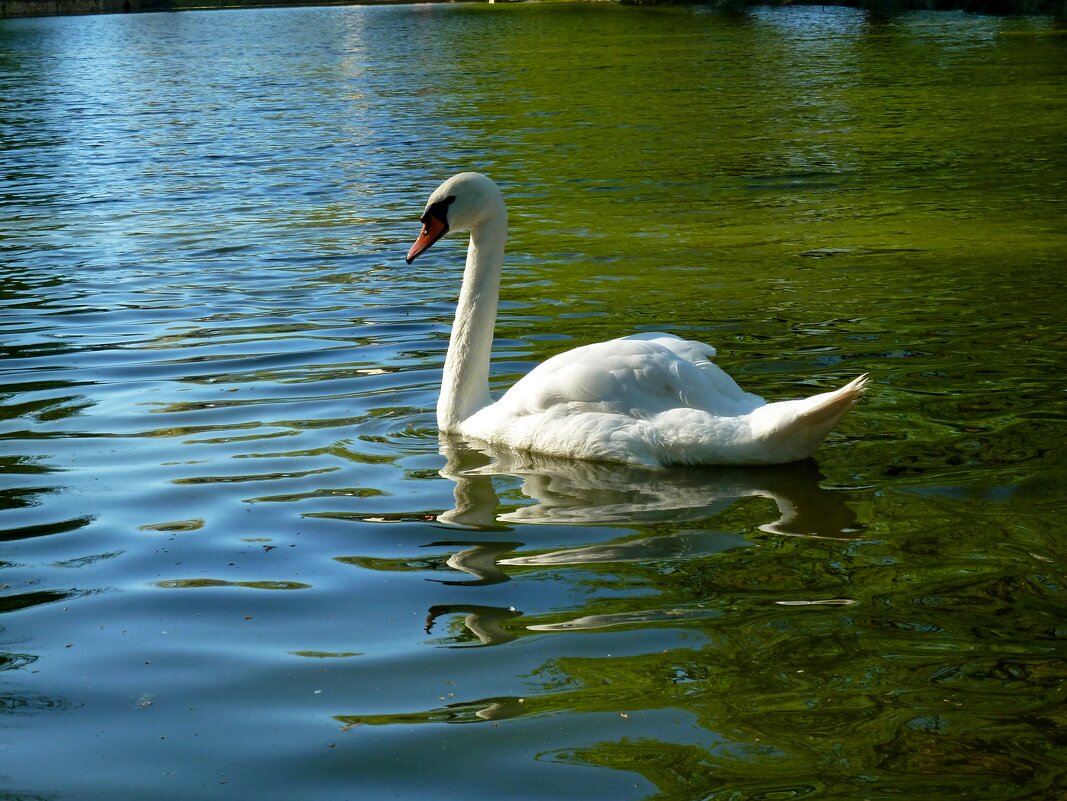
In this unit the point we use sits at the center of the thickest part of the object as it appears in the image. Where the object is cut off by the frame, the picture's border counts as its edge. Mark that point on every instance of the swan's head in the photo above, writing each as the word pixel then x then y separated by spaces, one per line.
pixel 461 203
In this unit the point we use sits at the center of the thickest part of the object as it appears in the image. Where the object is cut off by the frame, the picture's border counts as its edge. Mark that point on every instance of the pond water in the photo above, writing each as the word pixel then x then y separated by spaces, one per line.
pixel 238 562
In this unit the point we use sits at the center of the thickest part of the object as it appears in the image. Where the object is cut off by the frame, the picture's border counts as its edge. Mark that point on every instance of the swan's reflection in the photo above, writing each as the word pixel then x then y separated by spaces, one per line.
pixel 484 622
pixel 479 560
pixel 568 491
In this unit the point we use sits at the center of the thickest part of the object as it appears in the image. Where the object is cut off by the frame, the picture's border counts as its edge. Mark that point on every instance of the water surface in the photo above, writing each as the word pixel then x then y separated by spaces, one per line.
pixel 238 562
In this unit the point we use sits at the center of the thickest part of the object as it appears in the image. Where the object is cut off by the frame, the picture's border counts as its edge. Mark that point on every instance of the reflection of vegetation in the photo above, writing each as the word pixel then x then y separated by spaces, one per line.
pixel 747 771
pixel 26 600
pixel 802 666
pixel 9 661
pixel 31 7
pixel 91 559
pixel 819 733
pixel 253 477
pixel 44 529
pixel 788 703
pixel 197 584
pixel 30 704
pixel 884 6
pixel 174 526
pixel 484 709
pixel 332 492
pixel 21 465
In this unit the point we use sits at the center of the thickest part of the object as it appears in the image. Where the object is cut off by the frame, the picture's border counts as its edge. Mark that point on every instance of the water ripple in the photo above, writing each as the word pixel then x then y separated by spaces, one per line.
pixel 218 376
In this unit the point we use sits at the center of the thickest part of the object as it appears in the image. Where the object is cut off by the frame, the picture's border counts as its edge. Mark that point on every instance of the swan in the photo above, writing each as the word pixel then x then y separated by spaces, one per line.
pixel 648 399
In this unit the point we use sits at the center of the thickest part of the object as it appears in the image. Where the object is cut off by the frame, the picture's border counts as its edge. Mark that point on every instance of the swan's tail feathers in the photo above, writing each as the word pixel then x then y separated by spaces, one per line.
pixel 828 408
pixel 797 427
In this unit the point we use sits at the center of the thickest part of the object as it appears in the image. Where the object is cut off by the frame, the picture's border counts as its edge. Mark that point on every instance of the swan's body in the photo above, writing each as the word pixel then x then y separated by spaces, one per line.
pixel 646 399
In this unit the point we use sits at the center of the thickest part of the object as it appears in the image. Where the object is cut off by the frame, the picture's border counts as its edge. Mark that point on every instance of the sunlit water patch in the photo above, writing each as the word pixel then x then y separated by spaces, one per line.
pixel 238 560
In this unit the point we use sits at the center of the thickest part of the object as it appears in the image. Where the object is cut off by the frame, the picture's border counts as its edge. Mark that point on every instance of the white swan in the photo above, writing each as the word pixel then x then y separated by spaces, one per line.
pixel 645 399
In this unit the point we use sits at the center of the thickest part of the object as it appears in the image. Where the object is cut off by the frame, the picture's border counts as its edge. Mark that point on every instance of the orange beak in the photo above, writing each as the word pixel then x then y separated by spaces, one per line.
pixel 432 230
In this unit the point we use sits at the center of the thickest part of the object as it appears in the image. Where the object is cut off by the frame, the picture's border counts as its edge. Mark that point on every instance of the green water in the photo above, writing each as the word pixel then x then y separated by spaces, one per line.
pixel 236 561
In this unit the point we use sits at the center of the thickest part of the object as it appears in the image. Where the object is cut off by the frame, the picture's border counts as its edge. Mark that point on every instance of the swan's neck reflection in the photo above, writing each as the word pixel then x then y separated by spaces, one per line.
pixel 484 622
pixel 479 560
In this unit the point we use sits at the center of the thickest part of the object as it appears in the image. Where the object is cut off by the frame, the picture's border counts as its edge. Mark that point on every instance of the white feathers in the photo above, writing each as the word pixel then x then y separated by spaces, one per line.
pixel 647 399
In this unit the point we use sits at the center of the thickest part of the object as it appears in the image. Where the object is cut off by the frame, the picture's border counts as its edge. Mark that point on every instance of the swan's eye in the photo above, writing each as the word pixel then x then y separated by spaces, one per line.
pixel 438 210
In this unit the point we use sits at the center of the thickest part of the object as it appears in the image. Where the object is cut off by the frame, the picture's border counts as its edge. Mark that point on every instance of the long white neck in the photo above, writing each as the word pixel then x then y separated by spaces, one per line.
pixel 465 385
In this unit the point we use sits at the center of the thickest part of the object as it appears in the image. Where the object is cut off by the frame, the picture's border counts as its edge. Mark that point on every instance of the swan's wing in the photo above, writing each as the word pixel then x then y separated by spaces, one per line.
pixel 594 402
pixel 688 349
pixel 732 400
pixel 641 400
pixel 639 376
